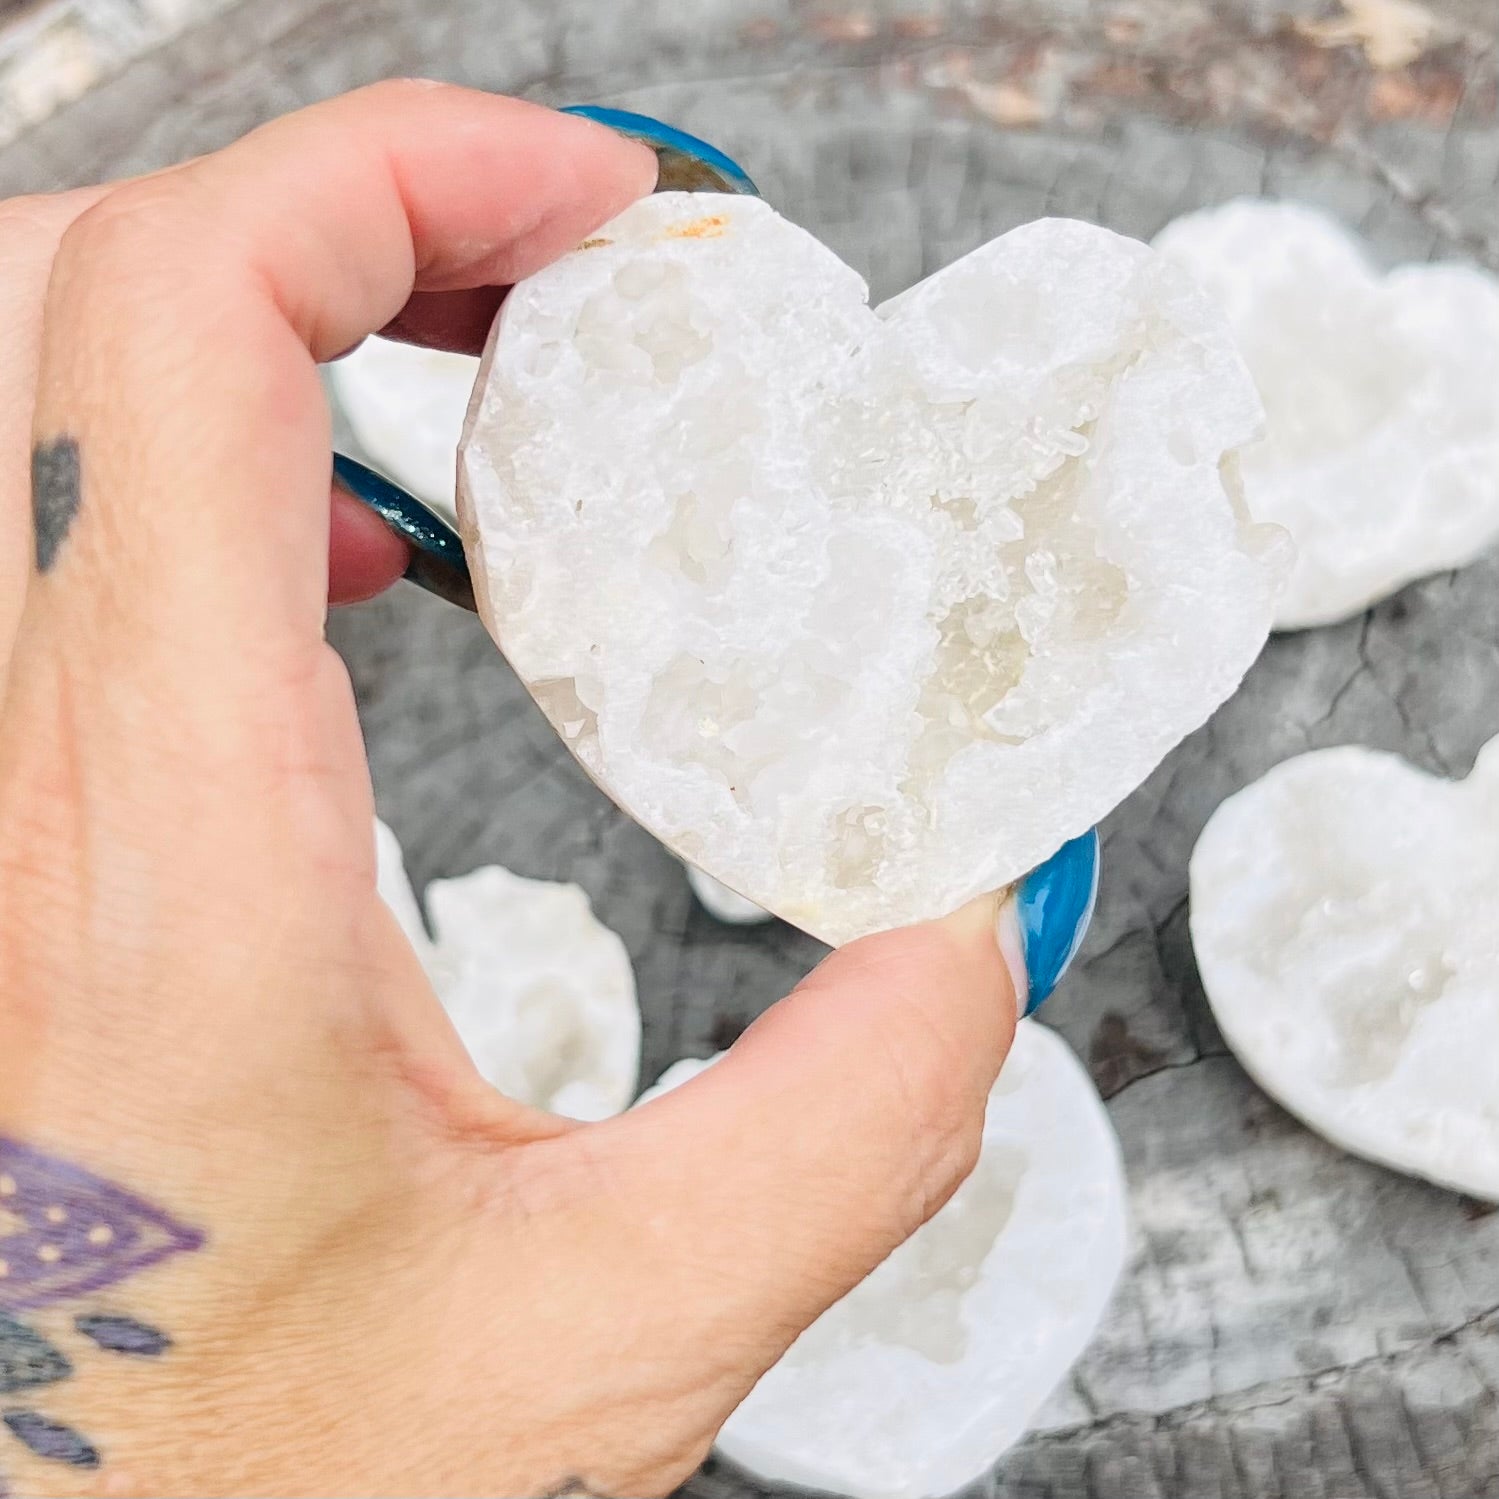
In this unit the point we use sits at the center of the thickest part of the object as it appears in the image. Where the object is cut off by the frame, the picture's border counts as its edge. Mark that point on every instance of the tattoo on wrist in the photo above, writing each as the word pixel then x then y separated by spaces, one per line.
pixel 56 489
pixel 67 1235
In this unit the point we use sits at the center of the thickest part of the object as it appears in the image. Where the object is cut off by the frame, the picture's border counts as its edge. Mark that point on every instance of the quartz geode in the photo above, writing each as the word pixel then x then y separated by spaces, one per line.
pixel 864 612
pixel 539 990
pixel 1345 918
pixel 918 1379
pixel 1381 454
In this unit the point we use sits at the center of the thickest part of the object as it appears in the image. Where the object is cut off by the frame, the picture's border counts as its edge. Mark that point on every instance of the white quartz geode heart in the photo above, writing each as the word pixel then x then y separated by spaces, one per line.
pixel 864 613
pixel 1345 916
pixel 541 993
pixel 1381 452
pixel 924 1374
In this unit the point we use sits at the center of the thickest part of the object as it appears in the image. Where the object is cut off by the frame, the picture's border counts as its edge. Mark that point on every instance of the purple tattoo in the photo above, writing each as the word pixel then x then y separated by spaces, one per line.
pixel 65 1234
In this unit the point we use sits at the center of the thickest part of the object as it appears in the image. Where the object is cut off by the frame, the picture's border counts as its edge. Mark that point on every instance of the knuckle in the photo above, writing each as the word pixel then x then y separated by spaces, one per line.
pixel 31 226
pixel 943 1157
pixel 929 1072
pixel 946 1136
pixel 114 225
pixel 954 1161
pixel 151 228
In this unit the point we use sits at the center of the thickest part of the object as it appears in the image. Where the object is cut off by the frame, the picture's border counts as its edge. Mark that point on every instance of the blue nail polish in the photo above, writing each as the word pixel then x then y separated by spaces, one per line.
pixel 688 165
pixel 438 563
pixel 1054 904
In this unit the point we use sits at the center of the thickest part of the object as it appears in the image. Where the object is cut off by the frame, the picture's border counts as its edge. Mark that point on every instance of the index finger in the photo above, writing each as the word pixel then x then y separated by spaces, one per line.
pixel 182 436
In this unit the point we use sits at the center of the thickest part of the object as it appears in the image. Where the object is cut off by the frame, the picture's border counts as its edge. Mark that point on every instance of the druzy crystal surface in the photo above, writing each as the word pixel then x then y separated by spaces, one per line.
pixel 541 993
pixel 864 612
pixel 1345 917
pixel 1381 452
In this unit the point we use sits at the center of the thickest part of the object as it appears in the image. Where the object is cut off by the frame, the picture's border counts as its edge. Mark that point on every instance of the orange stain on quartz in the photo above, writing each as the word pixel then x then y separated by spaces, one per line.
pixel 709 228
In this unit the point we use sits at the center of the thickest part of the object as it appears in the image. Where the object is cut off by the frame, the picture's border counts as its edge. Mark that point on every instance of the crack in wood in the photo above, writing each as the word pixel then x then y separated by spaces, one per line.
pixel 1483 1324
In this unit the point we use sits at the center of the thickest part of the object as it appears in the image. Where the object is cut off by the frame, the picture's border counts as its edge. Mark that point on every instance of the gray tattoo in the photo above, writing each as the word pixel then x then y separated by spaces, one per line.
pixel 66 1234
pixel 56 489
pixel 51 1439
pixel 27 1359
pixel 124 1335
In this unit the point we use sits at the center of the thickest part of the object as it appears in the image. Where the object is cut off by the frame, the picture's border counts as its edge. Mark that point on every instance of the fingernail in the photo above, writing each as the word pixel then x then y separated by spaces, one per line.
pixel 438 563
pixel 1042 924
pixel 688 165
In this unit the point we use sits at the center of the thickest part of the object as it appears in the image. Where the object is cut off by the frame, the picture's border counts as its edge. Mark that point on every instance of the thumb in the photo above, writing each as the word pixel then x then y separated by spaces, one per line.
pixel 848 1113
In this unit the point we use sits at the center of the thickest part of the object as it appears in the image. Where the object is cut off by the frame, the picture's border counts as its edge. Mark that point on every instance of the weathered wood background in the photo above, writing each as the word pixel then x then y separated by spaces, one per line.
pixel 1295 1325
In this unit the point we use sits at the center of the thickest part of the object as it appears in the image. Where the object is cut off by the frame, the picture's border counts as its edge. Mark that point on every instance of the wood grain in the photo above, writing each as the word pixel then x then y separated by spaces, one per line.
pixel 1295 1324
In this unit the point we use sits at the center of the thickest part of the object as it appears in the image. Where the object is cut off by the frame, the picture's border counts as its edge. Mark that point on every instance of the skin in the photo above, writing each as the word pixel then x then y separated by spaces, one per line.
pixel 410 1284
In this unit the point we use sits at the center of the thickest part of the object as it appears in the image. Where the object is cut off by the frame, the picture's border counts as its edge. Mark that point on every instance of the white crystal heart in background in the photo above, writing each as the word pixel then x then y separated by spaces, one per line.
pixel 1381 455
pixel 864 613
pixel 406 406
pixel 721 902
pixel 1345 916
pixel 539 990
pixel 925 1373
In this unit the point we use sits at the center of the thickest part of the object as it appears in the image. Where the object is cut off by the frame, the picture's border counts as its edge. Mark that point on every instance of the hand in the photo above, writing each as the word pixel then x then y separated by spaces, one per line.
pixel 344 1264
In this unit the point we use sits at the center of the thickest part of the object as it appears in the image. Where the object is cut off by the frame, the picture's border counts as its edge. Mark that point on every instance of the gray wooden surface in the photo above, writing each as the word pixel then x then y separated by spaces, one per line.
pixel 55 51
pixel 1295 1325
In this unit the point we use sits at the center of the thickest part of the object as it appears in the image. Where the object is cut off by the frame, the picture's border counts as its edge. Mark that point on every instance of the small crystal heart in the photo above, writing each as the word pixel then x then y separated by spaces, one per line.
pixel 1345 917
pixel 1381 457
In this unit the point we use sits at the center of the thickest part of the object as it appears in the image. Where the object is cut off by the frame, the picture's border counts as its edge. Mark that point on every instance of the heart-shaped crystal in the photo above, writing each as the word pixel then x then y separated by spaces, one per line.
pixel 864 612
pixel 1381 453
pixel 1345 915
